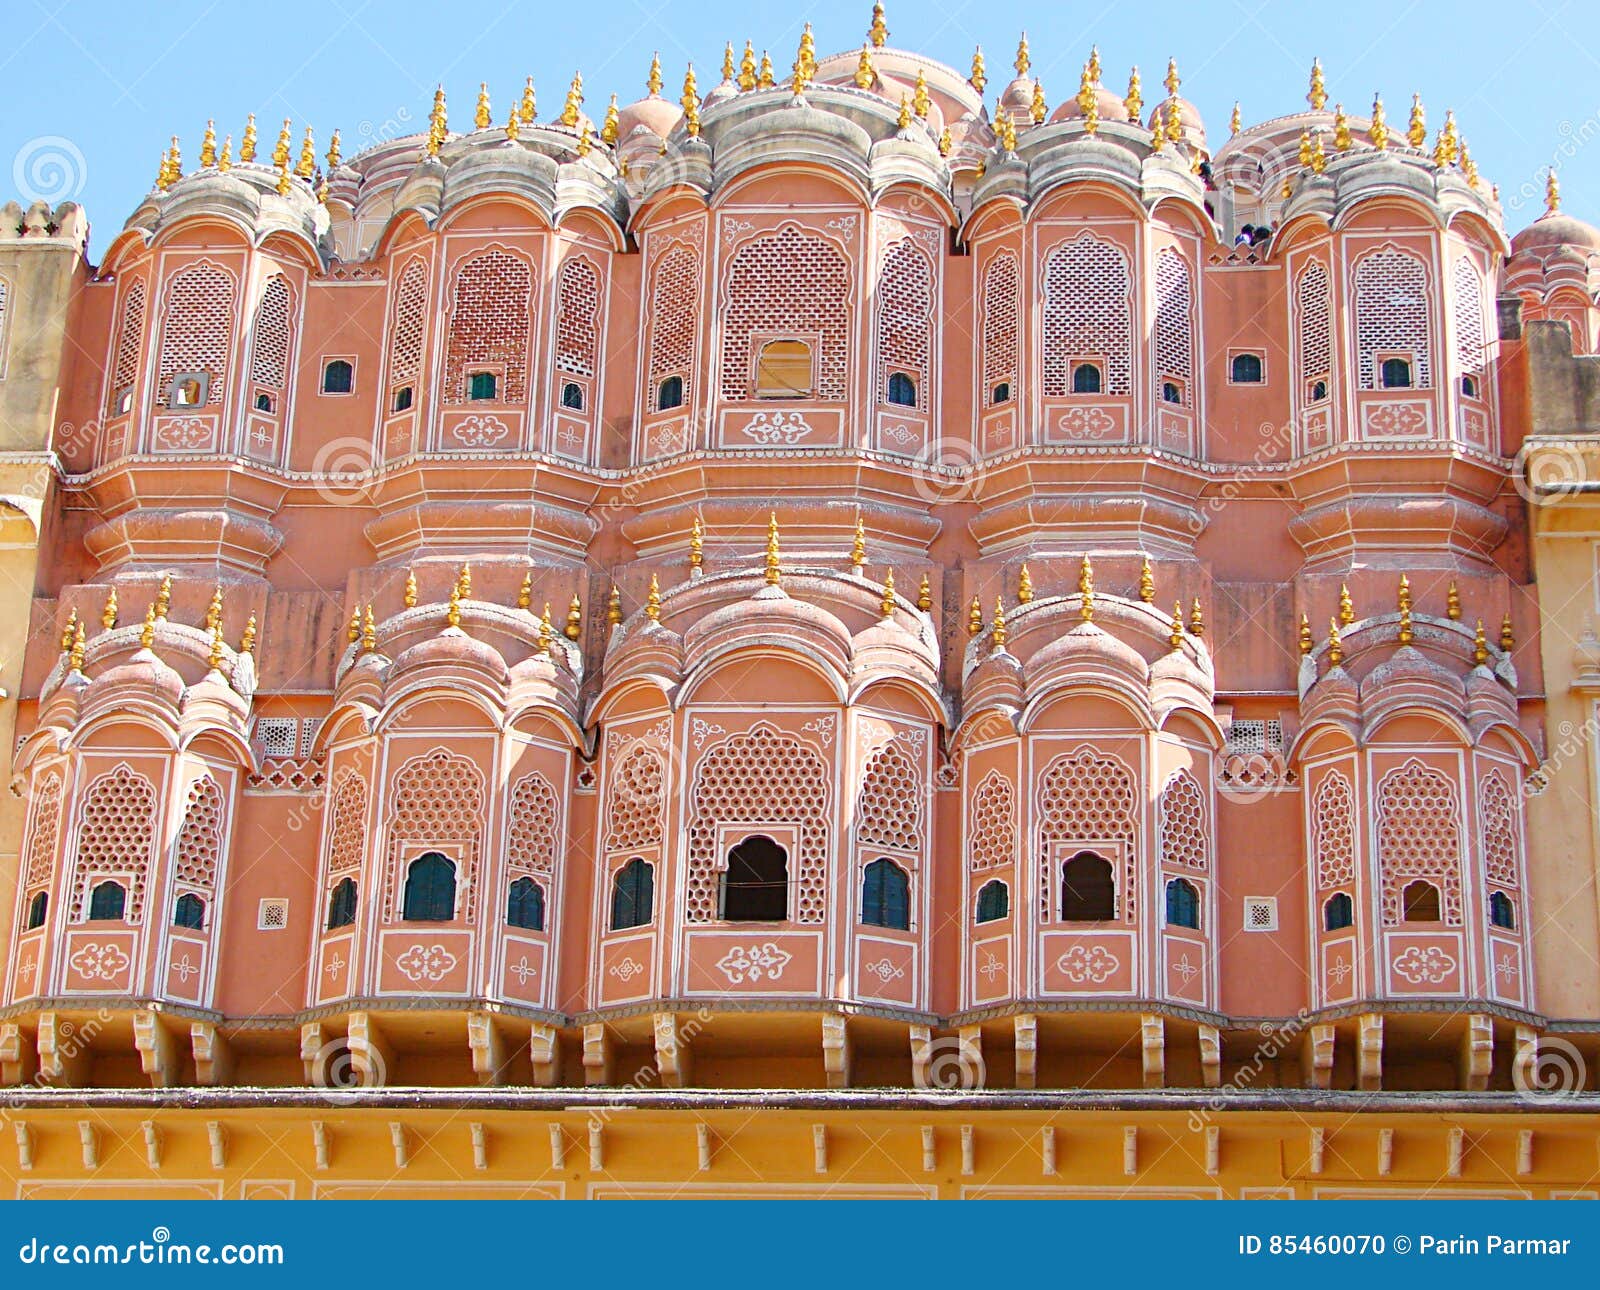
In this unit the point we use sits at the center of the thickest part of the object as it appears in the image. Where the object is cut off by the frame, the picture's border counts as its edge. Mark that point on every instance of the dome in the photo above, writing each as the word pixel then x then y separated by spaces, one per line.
pixel 655 114
pixel 1194 129
pixel 1553 230
pixel 453 647
pixel 1017 97
pixel 1108 107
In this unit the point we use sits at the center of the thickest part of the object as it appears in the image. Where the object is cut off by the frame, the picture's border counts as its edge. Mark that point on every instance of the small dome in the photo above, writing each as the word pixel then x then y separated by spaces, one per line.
pixel 1194 129
pixel 1017 97
pixel 655 114
pixel 1556 230
pixel 1108 107
pixel 453 646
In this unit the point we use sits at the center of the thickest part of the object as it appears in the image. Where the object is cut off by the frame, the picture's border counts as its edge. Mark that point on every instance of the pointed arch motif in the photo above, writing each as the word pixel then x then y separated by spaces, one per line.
pixel 1182 812
pixel 1088 311
pixel 889 808
pixel 199 846
pixel 674 317
pixel 1314 313
pixel 993 844
pixel 1392 314
pixel 347 832
pixel 272 334
pixel 197 325
pixel 1174 327
pixel 1333 832
pixel 1084 796
pixel 116 838
pixel 408 324
pixel 535 815
pixel 636 801
pixel 905 319
pixel 1497 808
pixel 578 317
pixel 437 799
pixel 44 831
pixel 791 281
pixel 1001 327
pixel 491 317
pixel 1419 836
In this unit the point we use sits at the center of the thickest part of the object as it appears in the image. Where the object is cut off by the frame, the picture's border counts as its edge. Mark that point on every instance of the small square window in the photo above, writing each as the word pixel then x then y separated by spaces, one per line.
pixel 402 398
pixel 273 915
pixel 481 387
pixel 1260 913
pixel 1247 368
pixel 188 389
pixel 338 376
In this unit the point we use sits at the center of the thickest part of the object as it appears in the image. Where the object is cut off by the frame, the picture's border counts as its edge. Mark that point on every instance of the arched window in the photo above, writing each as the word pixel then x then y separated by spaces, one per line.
pixel 633 895
pixel 263 401
pixel 886 896
pixel 994 902
pixel 902 390
pixel 525 905
pixel 106 902
pixel 342 904
pixel 1396 374
pixel 1501 911
pixel 783 370
pixel 669 394
pixel 572 396
pixel 481 387
pixel 430 890
pixel 38 907
pixel 338 377
pixel 1183 904
pixel 1420 903
pixel 402 398
pixel 1001 393
pixel 755 885
pixel 1339 912
pixel 1246 369
pixel 1319 391
pixel 1170 392
pixel 1469 387
pixel 190 911
pixel 1088 891
pixel 1085 379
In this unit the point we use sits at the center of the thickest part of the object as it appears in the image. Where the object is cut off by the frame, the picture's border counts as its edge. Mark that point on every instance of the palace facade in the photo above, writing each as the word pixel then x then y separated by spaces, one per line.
pixel 859 633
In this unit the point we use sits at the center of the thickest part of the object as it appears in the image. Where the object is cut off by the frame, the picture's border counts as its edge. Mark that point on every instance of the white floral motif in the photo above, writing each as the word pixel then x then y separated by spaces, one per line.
pixel 626 969
pixel 900 434
pixel 179 433
pixel 702 730
pixel 1339 971
pixel 1396 419
pixel 1088 963
pixel 100 962
pixel 991 967
pixel 786 428
pixel 480 430
pixel 183 969
pixel 1505 967
pixel 522 970
pixel 822 727
pixel 1088 423
pixel 425 962
pixel 1185 969
pixel 1418 965
pixel 753 963
pixel 335 965
pixel 886 971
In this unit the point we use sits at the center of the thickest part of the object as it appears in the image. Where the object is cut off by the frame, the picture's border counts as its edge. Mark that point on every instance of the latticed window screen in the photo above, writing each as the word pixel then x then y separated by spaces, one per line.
pixel 1391 308
pixel 44 831
pixel 1174 335
pixel 115 835
pixel 577 318
pixel 1497 808
pixel 889 809
pixel 674 312
pixel 1333 832
pixel 635 801
pixel 1419 836
pixel 489 321
pixel 438 798
pixel 197 328
pixel 277 736
pixel 905 318
pixel 993 843
pixel 1313 303
pixel 270 338
pixel 1086 796
pixel 408 324
pixel 1087 312
pixel 763 777
pixel 1183 823
pixel 790 282
pixel 1467 292
pixel 125 369
pixel 531 843
pixel 347 830
pixel 1002 295
pixel 200 840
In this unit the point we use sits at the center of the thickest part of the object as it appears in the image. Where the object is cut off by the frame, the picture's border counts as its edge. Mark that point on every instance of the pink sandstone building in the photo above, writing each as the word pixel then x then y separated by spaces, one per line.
pixel 855 578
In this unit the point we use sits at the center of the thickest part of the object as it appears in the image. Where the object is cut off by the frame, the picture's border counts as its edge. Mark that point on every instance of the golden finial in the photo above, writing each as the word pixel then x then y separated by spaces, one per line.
pixel 513 124
pixel 1197 620
pixel 765 79
pixel 1441 151
pixel 1403 597
pixel 1235 120
pixel 464 581
pixel 691 103
pixel 1134 101
pixel 164 173
pixel 452 614
pixel 697 544
pixel 808 52
pixel 1341 129
pixel 1307 644
pixel 334 155
pixel 654 82
pixel 1147 582
pixel 1404 635
pixel 569 110
pixel 438 119
pixel 1086 590
pixel 652 601
pixel 800 71
pixel 164 597
pixel 1335 646
pixel 1319 158
pixel 225 161
pixel 546 630
pixel 1008 132
pixel 1508 637
pixel 574 627
pixel 878 33
pixel 247 642
pixel 1175 633
pixel 69 631
pixel 1417 131
pixel 747 68
pixel 944 142
pixel 1452 601
pixel 864 73
pixel 921 104
pixel 1378 131
pixel 528 109
pixel 411 589
pixel 614 606
pixel 1552 193
pixel 525 591
pixel 1287 189
pixel 108 615
pixel 1024 586
pixel 1318 95
pixel 858 548
pixel 1450 136
pixel 1094 64
pixel 280 150
pixel 1172 82
pixel 482 116
pixel 979 77
pixel 975 617
pixel 308 156
pixel 1085 95
pixel 285 182
pixel 147 636
pixel 886 604
pixel 925 594
pixel 997 634
pixel 352 633
pixel 1158 134
pixel 1347 608
pixel 369 630
pixel 247 145
pixel 208 146
pixel 1469 167
pixel 1480 646
pixel 727 63
pixel 1174 121
pixel 585 141
pixel 214 609
pixel 903 121
pixel 772 549
pixel 1305 149
pixel 1023 62
pixel 1037 109
pixel 176 165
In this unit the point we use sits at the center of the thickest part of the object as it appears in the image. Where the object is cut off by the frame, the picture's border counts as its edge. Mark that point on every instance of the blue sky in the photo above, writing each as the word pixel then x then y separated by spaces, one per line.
pixel 99 87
